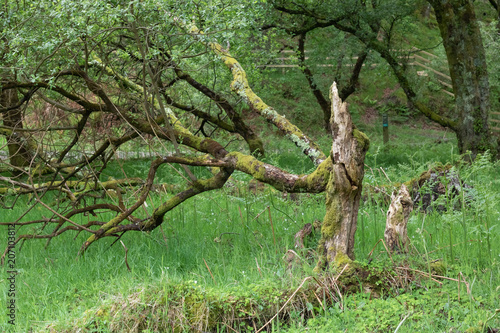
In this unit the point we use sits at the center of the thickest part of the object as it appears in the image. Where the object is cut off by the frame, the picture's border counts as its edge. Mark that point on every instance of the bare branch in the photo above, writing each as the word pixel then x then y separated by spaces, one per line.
pixel 241 86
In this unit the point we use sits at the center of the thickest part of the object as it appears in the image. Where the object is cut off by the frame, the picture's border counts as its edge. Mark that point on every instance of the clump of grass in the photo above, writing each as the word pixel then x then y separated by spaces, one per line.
pixel 186 306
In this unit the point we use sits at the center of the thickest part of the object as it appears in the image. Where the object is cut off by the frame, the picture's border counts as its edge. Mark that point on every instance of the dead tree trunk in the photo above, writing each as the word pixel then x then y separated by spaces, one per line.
pixel 343 191
pixel 396 236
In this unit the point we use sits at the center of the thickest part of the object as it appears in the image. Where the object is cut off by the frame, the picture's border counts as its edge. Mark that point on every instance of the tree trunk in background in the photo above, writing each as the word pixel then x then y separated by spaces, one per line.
pixel 466 58
pixel 496 6
pixel 322 101
pixel 19 151
pixel 343 191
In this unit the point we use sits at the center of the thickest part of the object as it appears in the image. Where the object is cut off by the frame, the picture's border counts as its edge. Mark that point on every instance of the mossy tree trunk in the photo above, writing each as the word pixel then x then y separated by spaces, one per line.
pixel 19 151
pixel 467 63
pixel 343 191
pixel 465 52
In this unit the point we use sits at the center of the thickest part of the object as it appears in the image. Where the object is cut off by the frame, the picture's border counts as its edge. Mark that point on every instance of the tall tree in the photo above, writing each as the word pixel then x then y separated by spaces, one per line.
pixel 18 143
pixel 462 41
pixel 468 70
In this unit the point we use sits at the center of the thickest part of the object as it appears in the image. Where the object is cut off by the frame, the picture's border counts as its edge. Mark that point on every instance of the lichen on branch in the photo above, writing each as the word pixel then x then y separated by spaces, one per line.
pixel 241 86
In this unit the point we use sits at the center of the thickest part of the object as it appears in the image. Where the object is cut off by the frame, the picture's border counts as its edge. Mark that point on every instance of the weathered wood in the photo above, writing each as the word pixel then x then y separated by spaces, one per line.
pixel 291 255
pixel 303 233
pixel 435 183
pixel 396 236
pixel 343 191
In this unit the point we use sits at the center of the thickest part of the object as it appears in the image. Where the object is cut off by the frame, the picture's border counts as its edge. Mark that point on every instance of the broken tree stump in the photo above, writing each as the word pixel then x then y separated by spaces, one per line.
pixel 343 191
pixel 438 182
pixel 396 236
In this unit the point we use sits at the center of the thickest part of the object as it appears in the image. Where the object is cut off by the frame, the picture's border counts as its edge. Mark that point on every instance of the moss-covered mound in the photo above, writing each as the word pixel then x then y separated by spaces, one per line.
pixel 190 307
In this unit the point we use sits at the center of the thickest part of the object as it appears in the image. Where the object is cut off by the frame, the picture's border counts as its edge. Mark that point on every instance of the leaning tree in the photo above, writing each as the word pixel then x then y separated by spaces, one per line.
pixel 150 74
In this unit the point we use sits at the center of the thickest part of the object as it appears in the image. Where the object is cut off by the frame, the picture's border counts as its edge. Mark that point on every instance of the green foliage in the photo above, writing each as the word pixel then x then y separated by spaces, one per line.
pixel 223 247
pixel 426 311
pixel 230 232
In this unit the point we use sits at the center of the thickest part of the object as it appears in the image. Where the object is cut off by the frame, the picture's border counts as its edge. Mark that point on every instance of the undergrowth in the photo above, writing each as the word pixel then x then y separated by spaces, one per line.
pixel 215 264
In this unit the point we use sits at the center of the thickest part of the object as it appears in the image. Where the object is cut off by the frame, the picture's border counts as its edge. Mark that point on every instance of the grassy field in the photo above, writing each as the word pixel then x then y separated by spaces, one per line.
pixel 228 246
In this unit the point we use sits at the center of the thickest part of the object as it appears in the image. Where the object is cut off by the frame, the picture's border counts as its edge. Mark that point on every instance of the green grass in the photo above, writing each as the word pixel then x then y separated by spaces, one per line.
pixel 233 235
pixel 52 283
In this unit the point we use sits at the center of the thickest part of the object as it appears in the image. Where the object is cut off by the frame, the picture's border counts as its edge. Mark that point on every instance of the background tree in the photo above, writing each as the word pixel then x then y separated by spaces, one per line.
pixel 462 41
pixel 18 143
pixel 335 56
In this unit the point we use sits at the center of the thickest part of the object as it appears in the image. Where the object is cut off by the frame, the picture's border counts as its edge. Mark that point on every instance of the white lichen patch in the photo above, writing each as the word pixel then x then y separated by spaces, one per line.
pixel 305 147
pixel 269 113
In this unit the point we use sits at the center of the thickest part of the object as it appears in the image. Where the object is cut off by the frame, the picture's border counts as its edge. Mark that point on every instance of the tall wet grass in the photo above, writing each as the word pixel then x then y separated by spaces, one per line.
pixel 234 237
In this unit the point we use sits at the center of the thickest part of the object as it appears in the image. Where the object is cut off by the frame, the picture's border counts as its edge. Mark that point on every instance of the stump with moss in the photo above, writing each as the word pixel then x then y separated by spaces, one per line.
pixel 396 235
pixel 343 191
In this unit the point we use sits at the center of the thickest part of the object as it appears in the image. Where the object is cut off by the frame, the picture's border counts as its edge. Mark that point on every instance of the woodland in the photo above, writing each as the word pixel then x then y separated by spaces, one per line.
pixel 250 166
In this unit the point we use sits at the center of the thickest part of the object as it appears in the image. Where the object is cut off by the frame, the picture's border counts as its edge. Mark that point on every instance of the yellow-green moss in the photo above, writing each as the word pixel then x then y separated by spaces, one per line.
pixel 249 164
pixel 362 138
pixel 331 221
pixel 438 267
pixel 341 259
pixel 319 177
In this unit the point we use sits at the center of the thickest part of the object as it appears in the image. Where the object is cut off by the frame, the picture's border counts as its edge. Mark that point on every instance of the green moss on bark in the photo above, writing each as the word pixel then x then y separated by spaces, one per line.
pixel 361 138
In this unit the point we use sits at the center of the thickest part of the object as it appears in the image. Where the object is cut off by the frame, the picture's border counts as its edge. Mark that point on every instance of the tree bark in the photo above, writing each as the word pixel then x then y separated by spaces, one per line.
pixel 396 235
pixel 19 152
pixel 322 101
pixel 343 191
pixel 467 62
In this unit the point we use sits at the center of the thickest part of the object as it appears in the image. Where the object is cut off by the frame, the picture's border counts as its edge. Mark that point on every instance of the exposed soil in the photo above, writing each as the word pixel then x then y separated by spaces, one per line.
pixel 371 116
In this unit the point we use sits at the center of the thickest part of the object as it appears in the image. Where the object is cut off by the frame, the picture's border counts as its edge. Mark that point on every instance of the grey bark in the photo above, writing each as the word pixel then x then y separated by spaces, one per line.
pixel 396 235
